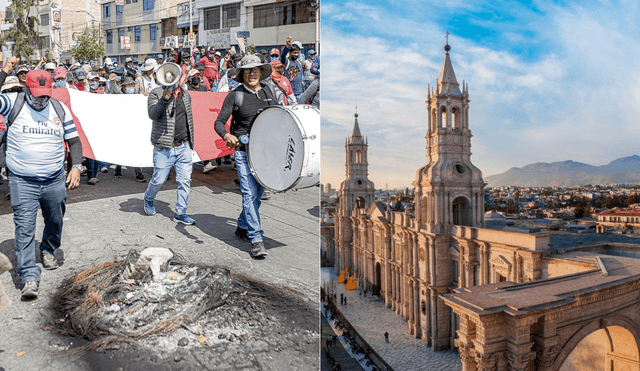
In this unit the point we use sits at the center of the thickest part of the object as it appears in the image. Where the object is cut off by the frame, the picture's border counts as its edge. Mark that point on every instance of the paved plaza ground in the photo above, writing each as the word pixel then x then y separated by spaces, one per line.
pixel 372 319
pixel 105 221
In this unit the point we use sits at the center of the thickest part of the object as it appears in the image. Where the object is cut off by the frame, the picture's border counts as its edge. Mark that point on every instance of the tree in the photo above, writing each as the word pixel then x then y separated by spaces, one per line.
pixel 90 46
pixel 23 32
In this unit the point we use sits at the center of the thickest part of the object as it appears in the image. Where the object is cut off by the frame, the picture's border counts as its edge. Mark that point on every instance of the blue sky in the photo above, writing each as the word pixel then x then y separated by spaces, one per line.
pixel 548 81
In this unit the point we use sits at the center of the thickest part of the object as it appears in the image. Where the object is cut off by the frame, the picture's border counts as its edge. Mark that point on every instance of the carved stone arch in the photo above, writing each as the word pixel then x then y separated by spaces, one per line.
pixel 461 210
pixel 443 116
pixel 456 118
pixel 595 325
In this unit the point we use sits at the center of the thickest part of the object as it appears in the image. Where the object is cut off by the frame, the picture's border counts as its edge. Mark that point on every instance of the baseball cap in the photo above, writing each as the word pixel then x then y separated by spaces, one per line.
pixel 39 83
pixel 59 72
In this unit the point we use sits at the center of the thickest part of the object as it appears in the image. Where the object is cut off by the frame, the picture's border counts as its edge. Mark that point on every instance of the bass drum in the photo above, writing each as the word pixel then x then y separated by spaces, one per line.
pixel 284 147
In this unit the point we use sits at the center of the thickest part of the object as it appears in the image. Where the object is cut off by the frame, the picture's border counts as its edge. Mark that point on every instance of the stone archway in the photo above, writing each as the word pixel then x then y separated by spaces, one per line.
pixel 611 345
pixel 461 211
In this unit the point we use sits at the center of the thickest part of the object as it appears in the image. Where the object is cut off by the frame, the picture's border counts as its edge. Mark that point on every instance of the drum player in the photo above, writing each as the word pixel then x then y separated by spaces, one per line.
pixel 242 104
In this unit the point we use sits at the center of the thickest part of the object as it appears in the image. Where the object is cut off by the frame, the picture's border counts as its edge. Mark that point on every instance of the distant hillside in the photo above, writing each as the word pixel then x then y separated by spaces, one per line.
pixel 569 173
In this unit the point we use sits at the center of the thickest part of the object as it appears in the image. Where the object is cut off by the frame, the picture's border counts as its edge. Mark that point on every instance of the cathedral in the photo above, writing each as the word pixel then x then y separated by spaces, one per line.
pixel 410 260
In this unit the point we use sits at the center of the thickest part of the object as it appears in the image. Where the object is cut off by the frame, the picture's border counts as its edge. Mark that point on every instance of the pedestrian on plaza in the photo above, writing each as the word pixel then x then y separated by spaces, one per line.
pixel 242 104
pixel 345 300
pixel 172 139
pixel 341 298
pixel 386 336
pixel 293 69
pixel 35 156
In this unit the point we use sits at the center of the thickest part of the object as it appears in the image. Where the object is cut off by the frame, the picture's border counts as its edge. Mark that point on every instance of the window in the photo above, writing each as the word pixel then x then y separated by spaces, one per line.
pixel 153 30
pixel 45 42
pixel 284 13
pixel 120 33
pixel 128 1
pixel 119 9
pixel 147 4
pixel 106 11
pixel 212 18
pixel 109 36
pixel 231 15
pixel 44 20
pixel 137 33
pixel 130 28
pixel 225 16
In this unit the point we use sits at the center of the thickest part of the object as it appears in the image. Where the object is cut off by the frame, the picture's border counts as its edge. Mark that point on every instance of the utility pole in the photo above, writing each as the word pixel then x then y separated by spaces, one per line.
pixel 190 26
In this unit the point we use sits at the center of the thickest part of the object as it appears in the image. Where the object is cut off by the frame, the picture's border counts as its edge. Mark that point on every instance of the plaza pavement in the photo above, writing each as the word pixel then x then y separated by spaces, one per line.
pixel 372 319
pixel 105 221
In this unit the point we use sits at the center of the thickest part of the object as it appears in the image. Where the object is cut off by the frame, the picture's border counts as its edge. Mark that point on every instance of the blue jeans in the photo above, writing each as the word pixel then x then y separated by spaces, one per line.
pixel 249 218
pixel 163 160
pixel 26 195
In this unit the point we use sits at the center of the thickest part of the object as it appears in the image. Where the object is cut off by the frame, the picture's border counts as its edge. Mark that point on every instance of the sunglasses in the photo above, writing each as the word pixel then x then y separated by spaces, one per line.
pixel 22 73
pixel 249 70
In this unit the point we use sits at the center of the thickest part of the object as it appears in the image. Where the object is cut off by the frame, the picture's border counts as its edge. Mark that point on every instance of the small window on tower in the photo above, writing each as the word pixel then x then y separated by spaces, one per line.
pixel 359 182
pixel 460 169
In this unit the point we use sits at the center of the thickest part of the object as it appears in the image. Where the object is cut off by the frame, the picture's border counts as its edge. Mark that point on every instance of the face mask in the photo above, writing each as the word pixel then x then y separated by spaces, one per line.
pixel 129 65
pixel 38 103
pixel 130 90
pixel 294 57
pixel 211 55
pixel 118 78
pixel 195 81
pixel 273 59
pixel 94 85
pixel 60 83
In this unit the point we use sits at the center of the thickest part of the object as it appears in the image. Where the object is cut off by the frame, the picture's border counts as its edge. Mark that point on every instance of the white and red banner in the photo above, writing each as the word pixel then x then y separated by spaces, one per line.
pixel 116 128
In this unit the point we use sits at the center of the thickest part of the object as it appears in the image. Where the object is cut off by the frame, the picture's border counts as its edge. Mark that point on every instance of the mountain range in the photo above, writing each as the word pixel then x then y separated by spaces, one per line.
pixel 569 173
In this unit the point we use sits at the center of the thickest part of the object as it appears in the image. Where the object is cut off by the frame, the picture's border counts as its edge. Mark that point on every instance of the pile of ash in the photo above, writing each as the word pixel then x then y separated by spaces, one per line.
pixel 155 307
pixel 145 294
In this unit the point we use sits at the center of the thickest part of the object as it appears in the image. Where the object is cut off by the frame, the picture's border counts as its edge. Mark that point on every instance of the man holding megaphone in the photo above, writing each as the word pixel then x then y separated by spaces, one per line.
pixel 172 138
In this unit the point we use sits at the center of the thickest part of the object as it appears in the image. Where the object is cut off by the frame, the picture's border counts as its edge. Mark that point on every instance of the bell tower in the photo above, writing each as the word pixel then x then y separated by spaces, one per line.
pixel 356 192
pixel 449 188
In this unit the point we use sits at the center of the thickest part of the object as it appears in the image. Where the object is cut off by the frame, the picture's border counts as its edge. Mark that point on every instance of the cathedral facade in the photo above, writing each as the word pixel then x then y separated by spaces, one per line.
pixel 411 259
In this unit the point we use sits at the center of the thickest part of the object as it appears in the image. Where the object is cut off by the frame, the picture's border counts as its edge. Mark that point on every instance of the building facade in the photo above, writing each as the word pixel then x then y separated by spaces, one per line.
pixel 134 28
pixel 60 24
pixel 411 260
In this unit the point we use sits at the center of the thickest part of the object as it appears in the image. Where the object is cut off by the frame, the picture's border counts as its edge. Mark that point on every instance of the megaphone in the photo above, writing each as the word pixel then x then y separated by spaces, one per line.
pixel 168 74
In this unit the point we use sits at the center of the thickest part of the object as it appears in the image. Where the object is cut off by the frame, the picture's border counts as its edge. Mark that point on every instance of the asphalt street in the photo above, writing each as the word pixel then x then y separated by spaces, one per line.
pixel 103 222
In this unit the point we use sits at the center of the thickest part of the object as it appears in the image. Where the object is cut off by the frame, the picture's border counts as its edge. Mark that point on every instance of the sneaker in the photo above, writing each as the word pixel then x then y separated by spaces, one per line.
pixel 104 170
pixel 209 167
pixel 49 261
pixel 149 209
pixel 258 250
pixel 140 178
pixel 243 234
pixel 266 195
pixel 30 290
pixel 118 174
pixel 184 219
pixel 93 181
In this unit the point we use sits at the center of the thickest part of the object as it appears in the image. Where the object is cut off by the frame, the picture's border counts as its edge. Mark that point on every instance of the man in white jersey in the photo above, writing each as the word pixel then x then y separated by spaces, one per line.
pixel 35 157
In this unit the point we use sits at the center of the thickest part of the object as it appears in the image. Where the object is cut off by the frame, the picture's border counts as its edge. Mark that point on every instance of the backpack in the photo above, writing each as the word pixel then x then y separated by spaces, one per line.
pixel 15 111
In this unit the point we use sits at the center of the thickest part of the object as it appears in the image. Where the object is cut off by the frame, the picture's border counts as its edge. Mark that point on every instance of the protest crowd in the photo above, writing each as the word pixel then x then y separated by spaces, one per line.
pixel 289 75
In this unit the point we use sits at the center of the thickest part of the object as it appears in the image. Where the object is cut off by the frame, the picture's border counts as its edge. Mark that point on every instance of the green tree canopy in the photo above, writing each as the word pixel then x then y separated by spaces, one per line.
pixel 23 32
pixel 90 46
